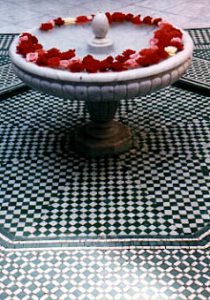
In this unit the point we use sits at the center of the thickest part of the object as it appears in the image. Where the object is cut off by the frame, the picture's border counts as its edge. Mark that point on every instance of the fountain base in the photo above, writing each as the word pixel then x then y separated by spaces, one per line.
pixel 105 139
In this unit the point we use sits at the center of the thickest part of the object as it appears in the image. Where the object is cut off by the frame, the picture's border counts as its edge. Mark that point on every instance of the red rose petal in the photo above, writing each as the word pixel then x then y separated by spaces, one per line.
pixel 53 52
pixel 128 52
pixel 117 66
pixel 82 19
pixel 67 54
pixel 59 21
pixel 118 17
pixel 46 26
pixel 147 20
pixel 106 64
pixel 129 17
pixel 137 20
pixel 76 67
pixel 53 62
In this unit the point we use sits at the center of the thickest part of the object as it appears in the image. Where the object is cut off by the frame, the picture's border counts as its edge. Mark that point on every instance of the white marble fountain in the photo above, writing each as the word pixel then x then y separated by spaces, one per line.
pixel 101 92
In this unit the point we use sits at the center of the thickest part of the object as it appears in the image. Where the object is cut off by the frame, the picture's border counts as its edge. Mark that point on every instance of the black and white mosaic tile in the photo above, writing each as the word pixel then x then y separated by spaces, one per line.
pixel 5 42
pixel 105 275
pixel 198 74
pixel 200 36
pixel 159 189
pixel 199 70
pixel 8 79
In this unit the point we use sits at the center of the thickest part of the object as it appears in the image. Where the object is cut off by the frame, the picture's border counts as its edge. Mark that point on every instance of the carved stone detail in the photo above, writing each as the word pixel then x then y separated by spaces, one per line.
pixel 108 91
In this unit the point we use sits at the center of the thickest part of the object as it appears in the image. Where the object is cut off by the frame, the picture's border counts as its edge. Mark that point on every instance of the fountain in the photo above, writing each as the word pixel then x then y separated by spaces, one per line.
pixel 102 91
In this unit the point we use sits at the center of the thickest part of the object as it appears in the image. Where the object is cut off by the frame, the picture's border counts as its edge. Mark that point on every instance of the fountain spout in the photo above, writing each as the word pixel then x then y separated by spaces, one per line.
pixel 100 27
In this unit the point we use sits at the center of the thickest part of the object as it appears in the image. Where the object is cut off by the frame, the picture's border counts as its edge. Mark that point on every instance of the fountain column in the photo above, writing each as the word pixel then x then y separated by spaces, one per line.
pixel 102 136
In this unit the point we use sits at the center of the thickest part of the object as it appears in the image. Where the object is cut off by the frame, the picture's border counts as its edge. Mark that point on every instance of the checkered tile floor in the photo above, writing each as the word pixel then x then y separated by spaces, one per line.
pixel 105 275
pixel 159 188
pixel 198 74
pixel 8 79
pixel 200 68
pixel 200 36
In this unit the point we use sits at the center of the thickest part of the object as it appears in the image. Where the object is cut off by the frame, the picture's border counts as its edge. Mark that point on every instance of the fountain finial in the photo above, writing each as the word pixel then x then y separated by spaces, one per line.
pixel 100 26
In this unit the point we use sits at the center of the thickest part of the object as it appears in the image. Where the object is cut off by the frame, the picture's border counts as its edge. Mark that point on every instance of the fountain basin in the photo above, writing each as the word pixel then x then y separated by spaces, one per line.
pixel 103 86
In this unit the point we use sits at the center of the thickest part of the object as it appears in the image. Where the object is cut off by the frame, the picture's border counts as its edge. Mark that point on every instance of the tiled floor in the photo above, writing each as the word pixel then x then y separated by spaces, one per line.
pixel 17 16
pixel 160 189
pixel 105 275
pixel 41 200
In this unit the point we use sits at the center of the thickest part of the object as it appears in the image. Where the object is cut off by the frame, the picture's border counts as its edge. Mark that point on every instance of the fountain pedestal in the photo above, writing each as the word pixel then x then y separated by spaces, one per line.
pixel 103 135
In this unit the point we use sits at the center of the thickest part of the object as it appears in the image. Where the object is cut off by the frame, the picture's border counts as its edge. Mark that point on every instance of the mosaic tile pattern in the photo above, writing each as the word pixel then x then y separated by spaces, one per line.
pixel 44 199
pixel 8 80
pixel 158 189
pixel 199 71
pixel 200 36
pixel 105 275
pixel 198 74
pixel 201 39
pixel 5 41
pixel 203 53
